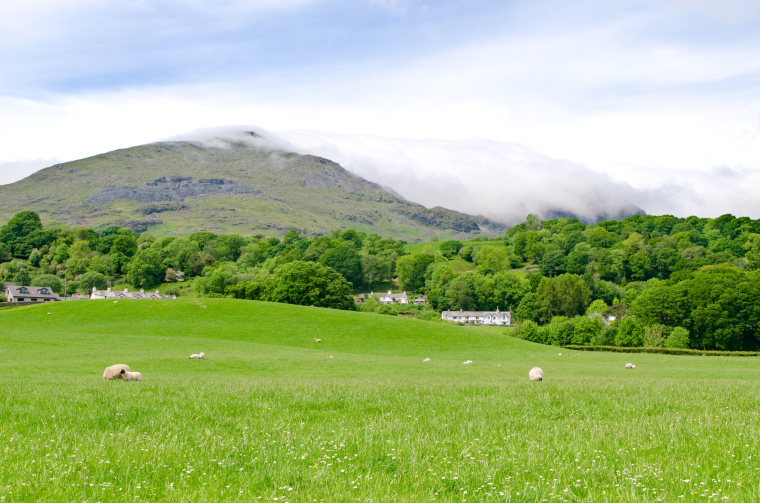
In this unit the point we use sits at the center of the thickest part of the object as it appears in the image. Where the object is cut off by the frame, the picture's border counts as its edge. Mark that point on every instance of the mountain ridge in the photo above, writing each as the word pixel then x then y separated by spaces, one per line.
pixel 243 185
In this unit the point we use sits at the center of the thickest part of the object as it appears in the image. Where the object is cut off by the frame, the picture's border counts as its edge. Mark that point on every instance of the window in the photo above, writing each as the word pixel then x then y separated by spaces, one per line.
pixel 23 290
pixel 44 291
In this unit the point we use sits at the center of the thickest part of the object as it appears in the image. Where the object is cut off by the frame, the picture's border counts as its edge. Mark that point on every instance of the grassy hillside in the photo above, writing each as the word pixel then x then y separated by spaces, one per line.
pixel 231 187
pixel 270 415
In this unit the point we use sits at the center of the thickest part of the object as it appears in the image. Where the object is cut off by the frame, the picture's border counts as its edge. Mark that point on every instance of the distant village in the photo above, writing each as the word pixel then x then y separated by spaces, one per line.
pixel 22 294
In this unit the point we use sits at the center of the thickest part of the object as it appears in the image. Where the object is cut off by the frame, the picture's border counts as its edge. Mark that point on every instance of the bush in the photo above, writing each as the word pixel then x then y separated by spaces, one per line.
pixel 654 336
pixel 630 333
pixel 678 338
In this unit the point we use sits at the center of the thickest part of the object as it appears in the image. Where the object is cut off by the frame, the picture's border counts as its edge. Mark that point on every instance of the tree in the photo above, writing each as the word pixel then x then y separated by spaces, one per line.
pixel 346 260
pixel 492 259
pixel 376 269
pixel 411 270
pixel 79 258
pixel 23 233
pixel 93 279
pixel 462 293
pixel 630 333
pixel 450 248
pixel 552 262
pixel 508 289
pixel 527 309
pixel 564 295
pixel 309 283
pixel 145 269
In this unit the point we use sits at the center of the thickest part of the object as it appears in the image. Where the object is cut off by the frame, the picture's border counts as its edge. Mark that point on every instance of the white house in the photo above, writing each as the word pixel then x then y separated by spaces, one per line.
pixel 30 294
pixel 126 294
pixel 393 298
pixel 503 318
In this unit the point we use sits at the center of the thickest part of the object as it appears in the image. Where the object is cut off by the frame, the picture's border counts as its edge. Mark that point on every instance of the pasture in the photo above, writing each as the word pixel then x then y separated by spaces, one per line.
pixel 271 415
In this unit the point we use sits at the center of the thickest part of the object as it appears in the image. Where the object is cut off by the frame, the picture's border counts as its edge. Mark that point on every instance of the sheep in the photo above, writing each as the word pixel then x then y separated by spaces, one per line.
pixel 630 366
pixel 426 360
pixel 198 356
pixel 536 374
pixel 114 371
pixel 131 376
pixel 317 340
pixel 468 362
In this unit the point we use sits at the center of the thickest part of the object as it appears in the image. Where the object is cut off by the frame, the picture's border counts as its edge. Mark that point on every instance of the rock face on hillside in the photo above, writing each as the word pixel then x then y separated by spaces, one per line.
pixel 170 189
pixel 237 186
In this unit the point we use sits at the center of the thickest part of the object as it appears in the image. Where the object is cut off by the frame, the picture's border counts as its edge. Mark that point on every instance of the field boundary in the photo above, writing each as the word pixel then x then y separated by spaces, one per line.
pixel 664 351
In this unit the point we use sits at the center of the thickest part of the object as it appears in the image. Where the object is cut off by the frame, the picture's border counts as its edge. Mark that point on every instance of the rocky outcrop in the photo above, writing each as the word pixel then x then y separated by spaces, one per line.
pixel 170 189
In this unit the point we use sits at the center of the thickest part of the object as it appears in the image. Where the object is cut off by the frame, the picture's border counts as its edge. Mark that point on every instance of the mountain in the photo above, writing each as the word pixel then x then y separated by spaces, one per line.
pixel 243 184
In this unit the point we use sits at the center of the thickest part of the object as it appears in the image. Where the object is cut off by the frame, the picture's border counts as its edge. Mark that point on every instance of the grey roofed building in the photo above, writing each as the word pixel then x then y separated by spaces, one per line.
pixel 29 294
pixel 479 317
pixel 126 294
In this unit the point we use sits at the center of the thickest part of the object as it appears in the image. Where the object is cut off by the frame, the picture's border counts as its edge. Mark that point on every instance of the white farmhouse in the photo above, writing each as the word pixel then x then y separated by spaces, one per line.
pixel 503 318
pixel 393 298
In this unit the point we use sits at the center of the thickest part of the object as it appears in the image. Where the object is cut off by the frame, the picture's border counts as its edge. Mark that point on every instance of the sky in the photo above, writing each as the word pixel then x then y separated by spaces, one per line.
pixel 492 107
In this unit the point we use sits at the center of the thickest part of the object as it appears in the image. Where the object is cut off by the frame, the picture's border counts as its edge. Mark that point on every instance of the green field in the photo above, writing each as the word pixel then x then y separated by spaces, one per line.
pixel 269 416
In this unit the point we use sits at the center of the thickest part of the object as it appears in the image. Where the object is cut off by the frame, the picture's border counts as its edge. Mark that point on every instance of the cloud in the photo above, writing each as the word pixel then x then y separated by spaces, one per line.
pixel 503 181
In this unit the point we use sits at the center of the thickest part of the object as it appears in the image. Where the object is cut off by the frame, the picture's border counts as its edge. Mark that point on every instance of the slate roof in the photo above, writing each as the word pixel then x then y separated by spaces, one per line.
pixel 29 292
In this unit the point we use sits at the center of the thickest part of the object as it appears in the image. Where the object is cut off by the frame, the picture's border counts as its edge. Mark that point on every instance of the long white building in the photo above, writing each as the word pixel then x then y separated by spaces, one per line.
pixel 503 318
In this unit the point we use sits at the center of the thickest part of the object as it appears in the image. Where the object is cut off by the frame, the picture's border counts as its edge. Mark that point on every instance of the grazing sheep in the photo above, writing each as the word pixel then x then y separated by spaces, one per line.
pixel 630 366
pixel 131 376
pixel 114 371
pixel 536 374
pixel 317 340
pixel 468 362
pixel 426 360
pixel 198 356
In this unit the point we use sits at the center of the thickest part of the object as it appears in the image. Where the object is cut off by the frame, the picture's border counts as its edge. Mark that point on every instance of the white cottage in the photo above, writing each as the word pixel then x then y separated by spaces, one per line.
pixel 393 298
pixel 126 294
pixel 502 318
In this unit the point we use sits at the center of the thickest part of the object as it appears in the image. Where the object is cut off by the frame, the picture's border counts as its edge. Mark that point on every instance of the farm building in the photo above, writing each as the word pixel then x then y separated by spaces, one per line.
pixel 126 294
pixel 479 317
pixel 384 298
pixel 29 294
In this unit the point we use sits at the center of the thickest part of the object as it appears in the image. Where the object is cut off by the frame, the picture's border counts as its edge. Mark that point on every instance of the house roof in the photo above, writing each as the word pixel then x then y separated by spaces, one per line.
pixel 37 292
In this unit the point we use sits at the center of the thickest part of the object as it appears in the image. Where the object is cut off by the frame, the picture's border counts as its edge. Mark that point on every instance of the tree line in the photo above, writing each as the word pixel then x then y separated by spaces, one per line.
pixel 644 280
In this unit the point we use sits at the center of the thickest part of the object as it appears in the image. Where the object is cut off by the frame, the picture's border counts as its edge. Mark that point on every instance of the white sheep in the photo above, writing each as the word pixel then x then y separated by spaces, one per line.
pixel 630 366
pixel 536 374
pixel 198 356
pixel 426 360
pixel 131 376
pixel 114 371
pixel 317 340
pixel 468 362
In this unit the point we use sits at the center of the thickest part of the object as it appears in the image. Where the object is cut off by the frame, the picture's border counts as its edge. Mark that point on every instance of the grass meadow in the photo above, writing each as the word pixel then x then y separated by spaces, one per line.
pixel 272 415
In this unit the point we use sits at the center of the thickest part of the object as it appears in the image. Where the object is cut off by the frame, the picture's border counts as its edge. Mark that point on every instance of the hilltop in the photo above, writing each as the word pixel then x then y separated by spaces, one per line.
pixel 242 185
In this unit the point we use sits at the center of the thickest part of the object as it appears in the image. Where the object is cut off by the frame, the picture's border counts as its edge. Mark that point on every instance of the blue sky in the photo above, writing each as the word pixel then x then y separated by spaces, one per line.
pixel 654 95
